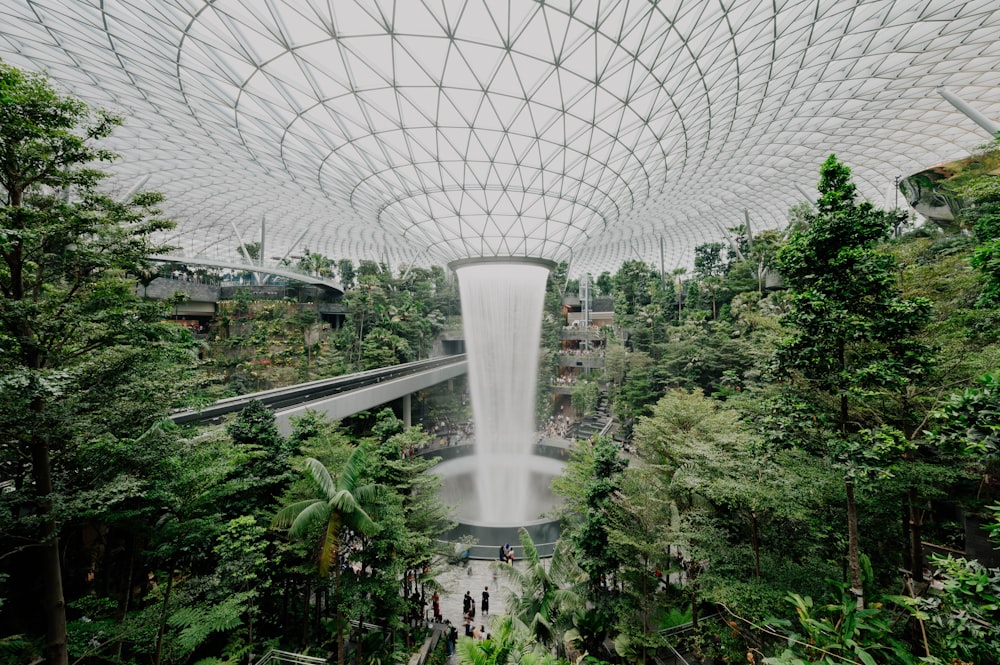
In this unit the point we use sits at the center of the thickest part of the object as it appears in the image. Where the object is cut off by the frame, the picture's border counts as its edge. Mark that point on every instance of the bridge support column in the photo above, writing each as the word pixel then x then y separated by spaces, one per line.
pixel 407 411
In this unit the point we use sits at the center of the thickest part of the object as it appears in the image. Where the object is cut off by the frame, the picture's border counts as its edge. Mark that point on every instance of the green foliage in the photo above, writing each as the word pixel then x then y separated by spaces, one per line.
pixel 970 420
pixel 268 469
pixel 605 284
pixel 586 396
pixel 633 289
pixel 543 597
pixel 345 268
pixel 986 259
pixel 250 251
pixel 708 260
pixel 69 316
pixel 964 612
pixel 339 504
pixel 510 642
pixel 601 465
pixel 197 623
pixel 854 337
pixel 242 552
pixel 839 631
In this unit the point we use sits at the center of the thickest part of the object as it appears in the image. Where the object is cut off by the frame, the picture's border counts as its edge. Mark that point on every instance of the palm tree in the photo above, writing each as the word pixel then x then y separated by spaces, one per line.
pixel 509 639
pixel 338 505
pixel 544 599
pixel 510 643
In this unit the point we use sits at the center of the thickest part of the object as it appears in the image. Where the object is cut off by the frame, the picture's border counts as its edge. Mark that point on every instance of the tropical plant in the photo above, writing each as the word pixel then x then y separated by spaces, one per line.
pixel 839 632
pixel 962 612
pixel 339 505
pixel 541 597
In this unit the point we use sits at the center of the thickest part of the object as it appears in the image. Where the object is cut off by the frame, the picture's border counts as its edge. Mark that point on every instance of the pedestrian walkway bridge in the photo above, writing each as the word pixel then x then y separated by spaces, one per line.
pixel 287 272
pixel 337 397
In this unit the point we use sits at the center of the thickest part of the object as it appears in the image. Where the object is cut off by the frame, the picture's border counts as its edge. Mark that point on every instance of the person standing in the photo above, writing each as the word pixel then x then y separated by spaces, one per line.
pixel 452 637
pixel 486 600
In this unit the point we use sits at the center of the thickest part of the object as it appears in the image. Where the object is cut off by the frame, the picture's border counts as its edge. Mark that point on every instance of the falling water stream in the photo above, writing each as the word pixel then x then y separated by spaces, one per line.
pixel 502 320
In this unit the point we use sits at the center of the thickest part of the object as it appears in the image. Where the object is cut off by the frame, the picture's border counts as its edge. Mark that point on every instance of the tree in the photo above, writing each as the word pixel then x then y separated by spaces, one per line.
pixel 590 535
pixel 316 264
pixel 346 269
pixel 250 251
pixel 632 290
pixel 586 397
pixel 708 260
pixel 65 250
pixel 267 471
pixel 544 598
pixel 763 253
pixel 605 284
pixel 402 554
pixel 337 506
pixel 852 333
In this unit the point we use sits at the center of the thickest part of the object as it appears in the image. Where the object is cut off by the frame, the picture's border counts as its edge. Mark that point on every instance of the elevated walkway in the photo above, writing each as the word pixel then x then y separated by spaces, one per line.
pixel 337 397
pixel 283 271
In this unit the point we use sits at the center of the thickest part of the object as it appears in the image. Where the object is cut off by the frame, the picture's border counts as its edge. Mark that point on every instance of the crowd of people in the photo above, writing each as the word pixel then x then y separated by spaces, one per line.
pixel 558 426
pixel 448 433
pixel 583 352
pixel 576 326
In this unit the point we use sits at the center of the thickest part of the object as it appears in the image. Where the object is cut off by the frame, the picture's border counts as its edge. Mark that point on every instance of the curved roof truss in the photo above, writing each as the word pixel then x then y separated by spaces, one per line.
pixel 428 131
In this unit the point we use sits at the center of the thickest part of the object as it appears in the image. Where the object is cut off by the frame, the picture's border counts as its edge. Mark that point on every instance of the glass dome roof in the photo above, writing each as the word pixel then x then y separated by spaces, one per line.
pixel 424 131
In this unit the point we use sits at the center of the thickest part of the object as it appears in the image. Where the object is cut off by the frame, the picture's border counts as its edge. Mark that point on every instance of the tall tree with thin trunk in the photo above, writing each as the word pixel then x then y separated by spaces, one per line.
pixel 852 334
pixel 337 506
pixel 65 251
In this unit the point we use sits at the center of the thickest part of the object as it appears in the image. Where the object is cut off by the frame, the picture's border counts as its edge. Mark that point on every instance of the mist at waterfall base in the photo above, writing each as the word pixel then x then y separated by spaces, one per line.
pixel 502 322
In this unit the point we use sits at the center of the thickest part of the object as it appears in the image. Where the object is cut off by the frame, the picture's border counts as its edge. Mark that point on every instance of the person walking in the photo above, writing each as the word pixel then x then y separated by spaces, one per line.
pixel 486 601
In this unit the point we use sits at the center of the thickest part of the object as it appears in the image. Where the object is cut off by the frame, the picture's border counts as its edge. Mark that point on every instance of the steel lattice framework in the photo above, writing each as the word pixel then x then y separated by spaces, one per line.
pixel 419 131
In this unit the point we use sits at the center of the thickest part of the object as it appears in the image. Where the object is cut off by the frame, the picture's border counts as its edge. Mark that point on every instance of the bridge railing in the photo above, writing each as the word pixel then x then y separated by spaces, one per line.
pixel 278 657
pixel 300 393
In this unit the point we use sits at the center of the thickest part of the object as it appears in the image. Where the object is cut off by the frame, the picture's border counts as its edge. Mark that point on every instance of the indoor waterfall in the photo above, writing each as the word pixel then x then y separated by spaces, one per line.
pixel 502 320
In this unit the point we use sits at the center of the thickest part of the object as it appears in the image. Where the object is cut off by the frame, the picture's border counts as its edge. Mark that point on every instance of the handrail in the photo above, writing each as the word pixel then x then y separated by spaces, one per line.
pixel 278 656
pixel 300 393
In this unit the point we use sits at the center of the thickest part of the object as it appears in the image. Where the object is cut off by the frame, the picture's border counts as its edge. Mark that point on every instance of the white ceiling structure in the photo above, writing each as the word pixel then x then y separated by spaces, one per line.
pixel 592 131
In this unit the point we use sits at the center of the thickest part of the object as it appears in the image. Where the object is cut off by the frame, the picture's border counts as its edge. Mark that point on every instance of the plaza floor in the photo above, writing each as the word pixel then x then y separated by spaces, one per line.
pixel 459 579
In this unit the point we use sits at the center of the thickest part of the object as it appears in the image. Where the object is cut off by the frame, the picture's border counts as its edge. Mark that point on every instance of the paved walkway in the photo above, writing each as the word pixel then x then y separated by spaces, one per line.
pixel 459 579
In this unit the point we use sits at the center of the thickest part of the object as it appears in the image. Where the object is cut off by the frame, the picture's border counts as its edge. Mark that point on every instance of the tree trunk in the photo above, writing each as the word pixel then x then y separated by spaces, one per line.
pixel 854 546
pixel 163 616
pixel 336 599
pixel 645 609
pixel 53 602
pixel 321 591
pixel 694 615
pixel 755 543
pixel 916 523
pixel 357 643
pixel 305 615
pixel 123 607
